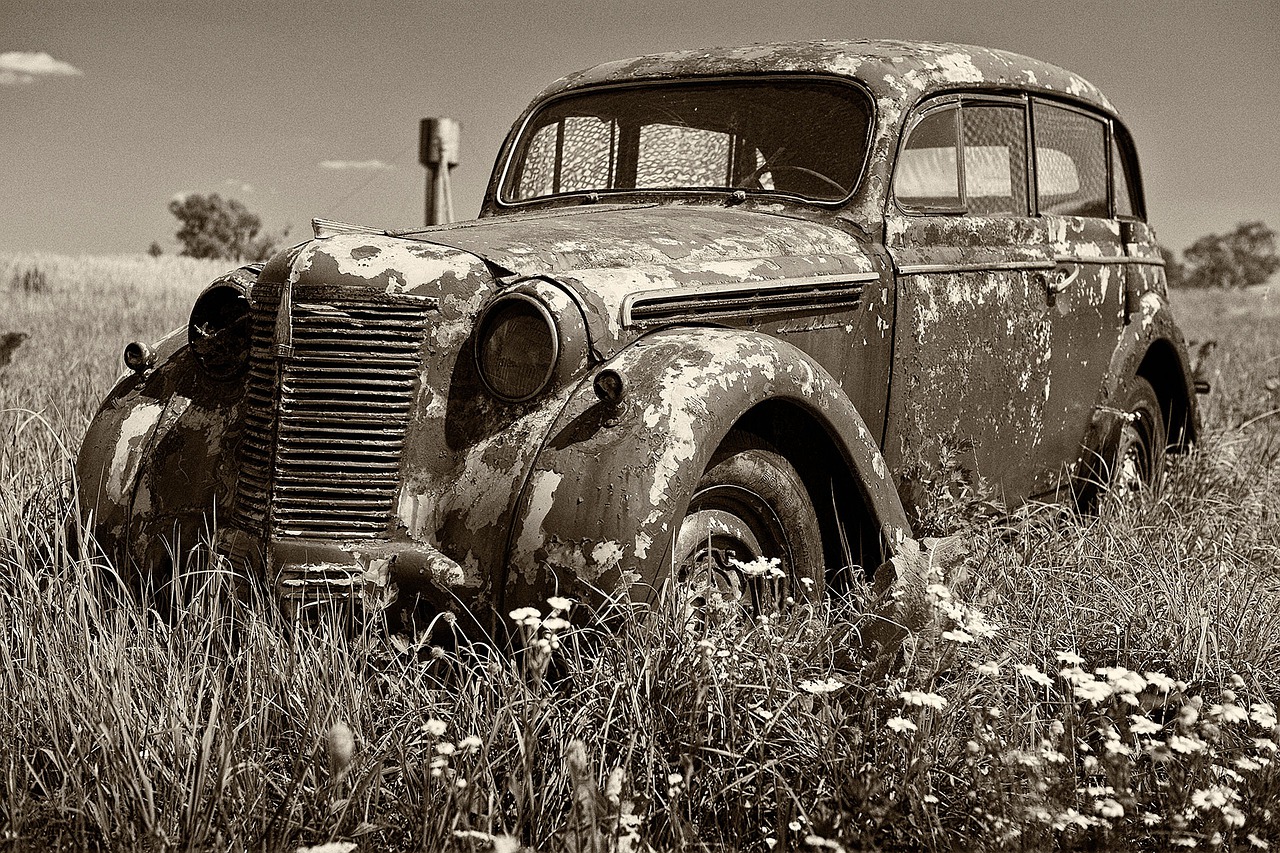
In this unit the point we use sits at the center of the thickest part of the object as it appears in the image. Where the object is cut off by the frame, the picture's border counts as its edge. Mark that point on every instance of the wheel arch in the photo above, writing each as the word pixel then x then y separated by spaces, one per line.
pixel 602 502
pixel 1163 366
pixel 851 537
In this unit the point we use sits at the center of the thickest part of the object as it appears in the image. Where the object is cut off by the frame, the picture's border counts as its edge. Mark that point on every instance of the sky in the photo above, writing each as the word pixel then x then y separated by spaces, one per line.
pixel 304 109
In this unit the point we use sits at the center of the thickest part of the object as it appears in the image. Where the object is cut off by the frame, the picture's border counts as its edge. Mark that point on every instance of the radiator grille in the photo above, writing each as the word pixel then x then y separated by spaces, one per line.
pixel 325 428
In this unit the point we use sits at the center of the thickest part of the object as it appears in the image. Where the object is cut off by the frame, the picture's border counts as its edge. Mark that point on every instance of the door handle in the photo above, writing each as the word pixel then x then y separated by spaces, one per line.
pixel 1060 280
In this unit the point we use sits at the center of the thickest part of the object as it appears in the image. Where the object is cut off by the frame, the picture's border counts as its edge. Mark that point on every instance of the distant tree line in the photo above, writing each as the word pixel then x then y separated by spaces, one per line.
pixel 1241 258
pixel 211 226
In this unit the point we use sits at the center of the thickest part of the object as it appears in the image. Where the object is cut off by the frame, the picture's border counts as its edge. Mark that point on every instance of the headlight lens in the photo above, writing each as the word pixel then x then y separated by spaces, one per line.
pixel 219 332
pixel 517 347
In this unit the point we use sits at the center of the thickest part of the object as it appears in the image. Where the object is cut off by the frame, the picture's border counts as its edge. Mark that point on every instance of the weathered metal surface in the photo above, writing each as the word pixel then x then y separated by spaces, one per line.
pixel 362 454
pixel 150 467
pixel 972 344
pixel 606 495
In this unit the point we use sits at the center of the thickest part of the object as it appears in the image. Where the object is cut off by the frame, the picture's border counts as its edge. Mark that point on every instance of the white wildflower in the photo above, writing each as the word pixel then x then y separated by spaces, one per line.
pixel 922 699
pixel 1186 745
pixel 1109 808
pixel 1140 725
pixel 1229 713
pixel 1093 691
pixel 526 616
pixel 1123 680
pixel 1029 671
pixel 827 685
pixel 901 725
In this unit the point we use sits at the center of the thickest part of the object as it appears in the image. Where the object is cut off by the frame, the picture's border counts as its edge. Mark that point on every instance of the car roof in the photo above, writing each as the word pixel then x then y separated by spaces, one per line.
pixel 903 71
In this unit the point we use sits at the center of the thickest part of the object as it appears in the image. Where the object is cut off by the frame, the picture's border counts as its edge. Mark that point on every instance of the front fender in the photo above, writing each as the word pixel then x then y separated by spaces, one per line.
pixel 153 461
pixel 612 481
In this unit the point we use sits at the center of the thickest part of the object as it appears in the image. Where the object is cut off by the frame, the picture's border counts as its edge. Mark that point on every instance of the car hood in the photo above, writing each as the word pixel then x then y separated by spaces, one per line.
pixel 612 255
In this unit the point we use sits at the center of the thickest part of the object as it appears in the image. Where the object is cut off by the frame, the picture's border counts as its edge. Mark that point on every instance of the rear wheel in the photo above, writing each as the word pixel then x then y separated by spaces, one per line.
pixel 749 544
pixel 1130 462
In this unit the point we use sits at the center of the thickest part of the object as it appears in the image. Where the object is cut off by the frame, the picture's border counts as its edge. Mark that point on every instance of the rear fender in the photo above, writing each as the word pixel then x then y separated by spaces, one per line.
pixel 1151 346
pixel 611 482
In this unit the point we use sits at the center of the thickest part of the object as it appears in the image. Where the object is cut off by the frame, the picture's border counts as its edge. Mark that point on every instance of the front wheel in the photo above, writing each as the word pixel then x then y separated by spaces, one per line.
pixel 749 544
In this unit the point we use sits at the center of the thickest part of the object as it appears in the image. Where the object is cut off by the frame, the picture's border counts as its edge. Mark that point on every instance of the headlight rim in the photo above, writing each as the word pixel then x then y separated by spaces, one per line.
pixel 482 333
pixel 237 291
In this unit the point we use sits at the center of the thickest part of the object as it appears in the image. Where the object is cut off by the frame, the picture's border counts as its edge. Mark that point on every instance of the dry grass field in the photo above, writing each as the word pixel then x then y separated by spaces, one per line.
pixel 1087 683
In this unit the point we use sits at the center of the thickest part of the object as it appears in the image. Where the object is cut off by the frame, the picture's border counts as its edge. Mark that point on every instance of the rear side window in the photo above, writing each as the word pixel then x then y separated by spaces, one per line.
pixel 989 177
pixel 1071 161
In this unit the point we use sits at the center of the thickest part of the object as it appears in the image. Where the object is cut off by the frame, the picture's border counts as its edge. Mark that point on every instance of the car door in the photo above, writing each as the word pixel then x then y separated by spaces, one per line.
pixel 1085 290
pixel 972 330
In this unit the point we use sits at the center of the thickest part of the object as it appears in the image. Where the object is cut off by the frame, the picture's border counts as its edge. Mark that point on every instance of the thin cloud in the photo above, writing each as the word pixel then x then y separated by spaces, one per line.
pixel 20 68
pixel 240 185
pixel 357 165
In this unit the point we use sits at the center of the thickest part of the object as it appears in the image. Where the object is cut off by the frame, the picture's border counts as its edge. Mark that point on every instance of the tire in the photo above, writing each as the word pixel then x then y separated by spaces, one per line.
pixel 1130 462
pixel 749 504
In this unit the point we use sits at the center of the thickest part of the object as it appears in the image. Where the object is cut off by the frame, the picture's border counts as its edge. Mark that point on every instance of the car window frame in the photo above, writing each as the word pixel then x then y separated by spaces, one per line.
pixel 957 101
pixel 511 145
pixel 1070 106
pixel 1120 141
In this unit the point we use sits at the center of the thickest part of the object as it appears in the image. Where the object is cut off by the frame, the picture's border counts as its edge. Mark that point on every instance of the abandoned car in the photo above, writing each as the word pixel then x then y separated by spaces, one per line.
pixel 718 306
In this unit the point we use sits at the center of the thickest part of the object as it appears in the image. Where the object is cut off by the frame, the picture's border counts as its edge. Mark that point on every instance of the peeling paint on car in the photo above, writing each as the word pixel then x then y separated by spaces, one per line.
pixel 361 452
pixel 126 459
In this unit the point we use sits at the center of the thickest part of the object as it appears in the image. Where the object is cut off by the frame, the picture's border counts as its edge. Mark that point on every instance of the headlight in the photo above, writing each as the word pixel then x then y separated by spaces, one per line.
pixel 517 347
pixel 219 332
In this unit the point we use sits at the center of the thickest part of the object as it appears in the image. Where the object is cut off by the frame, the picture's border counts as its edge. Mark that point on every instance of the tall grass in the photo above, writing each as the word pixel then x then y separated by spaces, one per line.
pixel 1081 682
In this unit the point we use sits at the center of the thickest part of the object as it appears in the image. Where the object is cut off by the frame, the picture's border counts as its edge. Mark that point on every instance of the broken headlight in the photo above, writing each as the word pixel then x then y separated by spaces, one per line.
pixel 517 347
pixel 219 332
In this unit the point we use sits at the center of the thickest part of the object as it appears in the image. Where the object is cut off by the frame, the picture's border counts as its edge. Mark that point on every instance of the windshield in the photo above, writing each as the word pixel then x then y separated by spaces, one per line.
pixel 795 137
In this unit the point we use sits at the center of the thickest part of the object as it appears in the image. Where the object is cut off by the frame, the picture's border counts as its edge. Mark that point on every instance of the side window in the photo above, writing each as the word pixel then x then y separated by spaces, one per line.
pixel 1071 162
pixel 927 175
pixel 995 159
pixel 1122 190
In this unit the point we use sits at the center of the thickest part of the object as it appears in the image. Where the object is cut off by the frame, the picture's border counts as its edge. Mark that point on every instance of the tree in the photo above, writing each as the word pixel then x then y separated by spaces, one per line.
pixel 154 249
pixel 1242 258
pixel 214 227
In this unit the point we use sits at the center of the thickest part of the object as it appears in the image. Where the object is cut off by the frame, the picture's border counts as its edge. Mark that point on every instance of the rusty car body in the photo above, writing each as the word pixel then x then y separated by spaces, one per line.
pixel 717 305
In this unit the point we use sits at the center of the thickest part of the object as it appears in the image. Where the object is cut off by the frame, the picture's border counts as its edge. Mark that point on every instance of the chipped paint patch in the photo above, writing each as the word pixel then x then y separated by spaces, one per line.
pixel 958 68
pixel 542 490
pixel 127 457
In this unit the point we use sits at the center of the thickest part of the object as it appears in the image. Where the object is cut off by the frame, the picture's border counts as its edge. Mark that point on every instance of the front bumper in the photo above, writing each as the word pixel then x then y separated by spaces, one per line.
pixel 307 573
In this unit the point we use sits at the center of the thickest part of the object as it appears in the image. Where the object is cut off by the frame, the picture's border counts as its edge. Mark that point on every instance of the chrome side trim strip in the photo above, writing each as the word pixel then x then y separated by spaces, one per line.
pixel 918 269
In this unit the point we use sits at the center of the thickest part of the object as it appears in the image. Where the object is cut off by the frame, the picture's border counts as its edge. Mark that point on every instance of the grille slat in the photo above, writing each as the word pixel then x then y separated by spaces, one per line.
pixel 324 431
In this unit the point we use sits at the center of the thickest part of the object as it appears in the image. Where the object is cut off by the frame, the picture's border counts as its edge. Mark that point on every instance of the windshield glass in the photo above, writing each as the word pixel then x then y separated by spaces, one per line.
pixel 794 137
